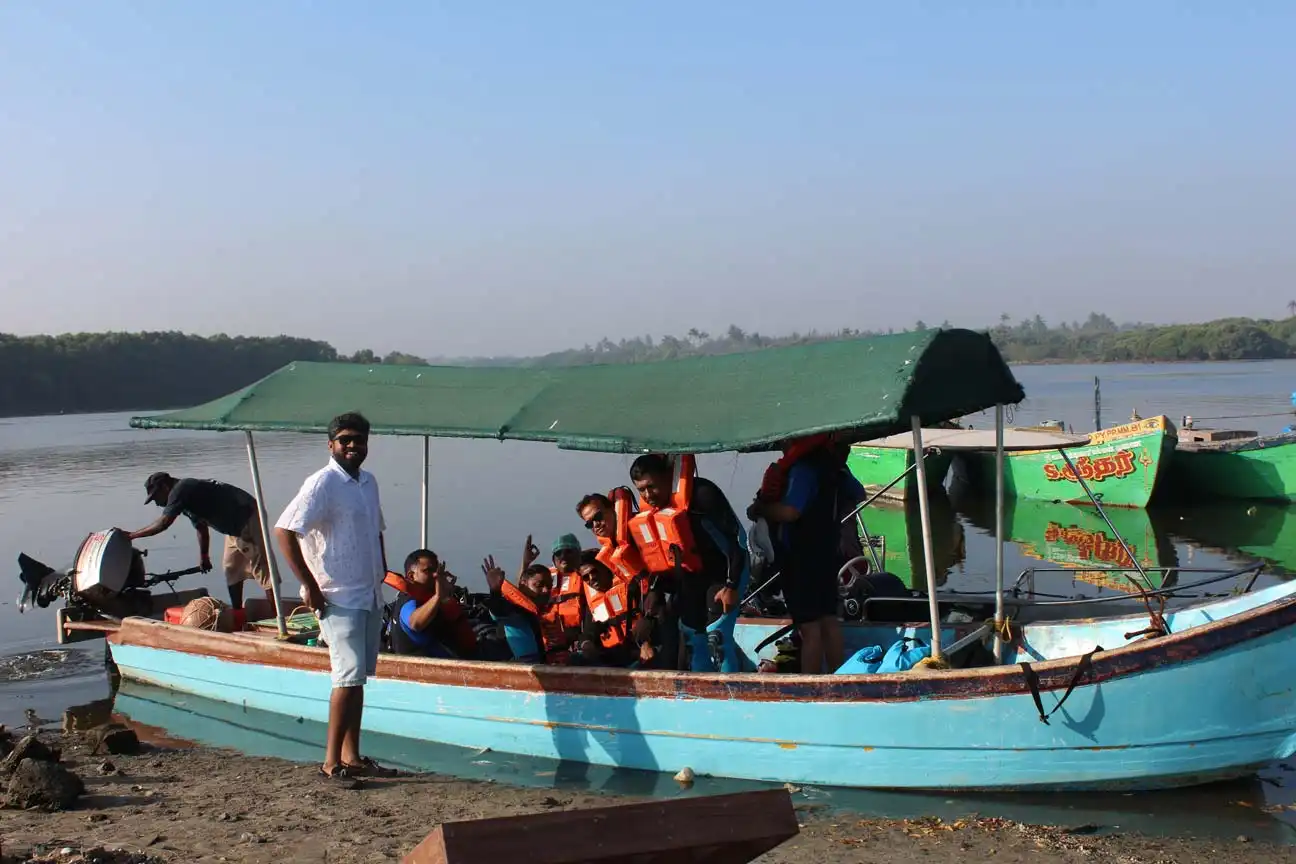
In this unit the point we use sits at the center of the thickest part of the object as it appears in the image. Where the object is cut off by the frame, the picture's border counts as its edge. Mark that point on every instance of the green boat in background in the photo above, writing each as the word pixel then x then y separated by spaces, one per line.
pixel 877 463
pixel 1120 464
pixel 901 548
pixel 1233 464
pixel 1077 539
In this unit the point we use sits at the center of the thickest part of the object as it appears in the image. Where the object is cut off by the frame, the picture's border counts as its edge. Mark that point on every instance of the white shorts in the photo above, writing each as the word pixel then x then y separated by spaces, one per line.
pixel 354 637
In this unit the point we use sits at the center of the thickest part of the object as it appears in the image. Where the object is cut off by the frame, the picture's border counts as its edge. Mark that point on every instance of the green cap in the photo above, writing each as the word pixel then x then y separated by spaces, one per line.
pixel 566 541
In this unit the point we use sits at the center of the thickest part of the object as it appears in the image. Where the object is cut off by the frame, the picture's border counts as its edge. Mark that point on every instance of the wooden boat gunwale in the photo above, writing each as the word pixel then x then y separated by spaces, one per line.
pixel 1138 657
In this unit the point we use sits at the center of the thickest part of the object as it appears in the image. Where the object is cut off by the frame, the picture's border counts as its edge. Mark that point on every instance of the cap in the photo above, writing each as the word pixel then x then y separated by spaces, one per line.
pixel 151 485
pixel 565 542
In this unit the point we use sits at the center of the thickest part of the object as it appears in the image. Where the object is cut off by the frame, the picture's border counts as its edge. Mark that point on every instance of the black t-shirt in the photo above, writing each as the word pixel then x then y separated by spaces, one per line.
pixel 715 531
pixel 219 505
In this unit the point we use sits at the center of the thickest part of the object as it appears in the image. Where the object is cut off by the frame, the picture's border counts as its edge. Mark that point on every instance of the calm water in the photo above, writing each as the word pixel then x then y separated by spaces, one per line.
pixel 63 477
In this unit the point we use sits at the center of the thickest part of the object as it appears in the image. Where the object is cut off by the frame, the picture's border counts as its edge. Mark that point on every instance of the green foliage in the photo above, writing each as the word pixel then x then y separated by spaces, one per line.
pixel 120 371
pixel 78 372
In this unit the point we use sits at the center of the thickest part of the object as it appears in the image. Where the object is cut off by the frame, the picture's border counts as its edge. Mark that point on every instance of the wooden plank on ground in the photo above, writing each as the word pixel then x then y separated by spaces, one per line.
pixel 713 829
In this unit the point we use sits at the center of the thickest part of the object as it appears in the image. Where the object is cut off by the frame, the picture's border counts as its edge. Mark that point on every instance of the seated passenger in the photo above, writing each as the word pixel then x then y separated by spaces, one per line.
pixel 568 598
pixel 531 600
pixel 613 607
pixel 656 626
pixel 427 618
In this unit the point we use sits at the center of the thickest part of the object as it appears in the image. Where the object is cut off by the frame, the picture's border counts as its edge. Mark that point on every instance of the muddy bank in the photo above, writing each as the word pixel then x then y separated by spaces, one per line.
pixel 171 803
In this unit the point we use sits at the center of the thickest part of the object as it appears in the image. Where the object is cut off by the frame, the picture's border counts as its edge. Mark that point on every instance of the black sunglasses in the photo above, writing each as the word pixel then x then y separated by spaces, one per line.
pixel 344 440
pixel 598 517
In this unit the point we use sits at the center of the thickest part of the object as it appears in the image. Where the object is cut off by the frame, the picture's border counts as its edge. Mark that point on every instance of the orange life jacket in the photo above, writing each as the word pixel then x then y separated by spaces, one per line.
pixel 654 531
pixel 452 622
pixel 566 596
pixel 774 483
pixel 622 556
pixel 552 628
pixel 611 607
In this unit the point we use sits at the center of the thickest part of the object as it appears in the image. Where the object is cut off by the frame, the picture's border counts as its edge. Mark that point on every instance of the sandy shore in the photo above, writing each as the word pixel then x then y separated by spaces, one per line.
pixel 199 804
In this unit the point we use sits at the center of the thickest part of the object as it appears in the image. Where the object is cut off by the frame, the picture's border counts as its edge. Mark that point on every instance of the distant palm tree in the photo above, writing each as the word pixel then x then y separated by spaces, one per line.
pixel 1291 307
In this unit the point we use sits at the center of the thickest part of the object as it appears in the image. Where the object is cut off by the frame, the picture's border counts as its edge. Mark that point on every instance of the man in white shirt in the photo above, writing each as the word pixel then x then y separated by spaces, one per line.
pixel 331 535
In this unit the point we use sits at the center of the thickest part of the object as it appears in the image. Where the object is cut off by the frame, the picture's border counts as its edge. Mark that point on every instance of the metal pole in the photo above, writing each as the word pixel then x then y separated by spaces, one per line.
pixel 423 500
pixel 266 537
pixel 999 532
pixel 924 511
pixel 1147 583
pixel 1097 405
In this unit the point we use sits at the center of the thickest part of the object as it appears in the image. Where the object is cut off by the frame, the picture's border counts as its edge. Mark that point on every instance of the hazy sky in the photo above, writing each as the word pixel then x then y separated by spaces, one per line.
pixel 490 177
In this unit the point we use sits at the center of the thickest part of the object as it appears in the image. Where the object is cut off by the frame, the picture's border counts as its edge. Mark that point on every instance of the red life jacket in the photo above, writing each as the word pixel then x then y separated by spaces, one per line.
pixel 451 623
pixel 622 556
pixel 611 607
pixel 774 483
pixel 654 531
pixel 567 597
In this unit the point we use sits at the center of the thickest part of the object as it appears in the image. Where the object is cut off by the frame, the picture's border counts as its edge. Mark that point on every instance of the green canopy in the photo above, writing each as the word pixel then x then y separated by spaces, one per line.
pixel 867 387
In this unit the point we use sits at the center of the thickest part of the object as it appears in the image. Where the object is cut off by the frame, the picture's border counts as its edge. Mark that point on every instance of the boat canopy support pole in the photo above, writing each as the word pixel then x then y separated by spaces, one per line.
pixel 266 538
pixel 924 511
pixel 423 501
pixel 999 533
pixel 1147 583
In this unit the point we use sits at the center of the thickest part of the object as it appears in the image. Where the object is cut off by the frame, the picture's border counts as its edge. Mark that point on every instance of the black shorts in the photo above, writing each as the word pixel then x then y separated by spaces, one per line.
pixel 809 594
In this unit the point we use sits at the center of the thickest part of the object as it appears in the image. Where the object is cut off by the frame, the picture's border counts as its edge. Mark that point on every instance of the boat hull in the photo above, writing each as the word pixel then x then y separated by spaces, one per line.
pixel 1262 469
pixel 875 467
pixel 1210 702
pixel 1122 465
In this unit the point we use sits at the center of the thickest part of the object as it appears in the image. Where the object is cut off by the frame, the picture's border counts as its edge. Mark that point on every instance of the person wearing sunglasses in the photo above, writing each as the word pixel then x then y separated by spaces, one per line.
pixel 332 537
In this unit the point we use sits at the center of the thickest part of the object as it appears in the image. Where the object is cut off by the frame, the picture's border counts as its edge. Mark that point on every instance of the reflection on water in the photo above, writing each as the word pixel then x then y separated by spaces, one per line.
pixel 166 718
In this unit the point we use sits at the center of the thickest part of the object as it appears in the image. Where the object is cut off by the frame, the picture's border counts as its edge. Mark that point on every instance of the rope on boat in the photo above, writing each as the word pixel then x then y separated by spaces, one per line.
pixel 932 663
pixel 1003 630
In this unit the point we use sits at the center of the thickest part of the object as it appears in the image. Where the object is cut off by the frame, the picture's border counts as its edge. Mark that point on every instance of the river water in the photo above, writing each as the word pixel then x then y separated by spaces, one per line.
pixel 63 477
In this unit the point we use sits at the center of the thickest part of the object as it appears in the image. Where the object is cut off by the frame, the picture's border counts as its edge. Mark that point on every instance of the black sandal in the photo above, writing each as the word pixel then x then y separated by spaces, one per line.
pixel 368 768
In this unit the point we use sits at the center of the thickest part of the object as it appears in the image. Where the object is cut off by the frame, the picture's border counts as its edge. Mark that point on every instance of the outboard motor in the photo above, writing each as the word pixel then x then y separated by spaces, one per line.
pixel 107 575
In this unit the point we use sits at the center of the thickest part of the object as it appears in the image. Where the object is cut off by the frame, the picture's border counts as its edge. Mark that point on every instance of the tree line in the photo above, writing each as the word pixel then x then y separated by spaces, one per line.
pixel 85 372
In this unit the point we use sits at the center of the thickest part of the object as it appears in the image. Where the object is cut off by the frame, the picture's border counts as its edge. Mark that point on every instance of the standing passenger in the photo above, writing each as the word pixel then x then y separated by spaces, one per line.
pixel 331 534
pixel 807 544
pixel 688 530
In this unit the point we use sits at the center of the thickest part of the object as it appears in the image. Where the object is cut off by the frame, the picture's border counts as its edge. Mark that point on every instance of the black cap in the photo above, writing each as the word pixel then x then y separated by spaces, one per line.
pixel 152 484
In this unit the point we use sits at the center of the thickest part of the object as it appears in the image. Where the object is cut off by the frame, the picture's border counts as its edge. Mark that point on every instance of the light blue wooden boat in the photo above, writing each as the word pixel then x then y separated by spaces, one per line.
pixel 1212 701
pixel 1209 697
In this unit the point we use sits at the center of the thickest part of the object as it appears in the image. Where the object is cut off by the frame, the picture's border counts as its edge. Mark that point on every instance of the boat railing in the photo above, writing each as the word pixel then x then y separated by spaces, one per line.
pixel 1020 602
pixel 1219 575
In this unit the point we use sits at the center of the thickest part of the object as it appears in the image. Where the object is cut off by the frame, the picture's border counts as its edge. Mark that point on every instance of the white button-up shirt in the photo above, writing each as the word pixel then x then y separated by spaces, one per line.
pixel 340 522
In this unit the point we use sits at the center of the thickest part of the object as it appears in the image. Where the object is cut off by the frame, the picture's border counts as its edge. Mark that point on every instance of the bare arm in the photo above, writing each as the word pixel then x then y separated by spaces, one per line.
pixel 204 543
pixel 423 616
pixel 163 523
pixel 290 546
